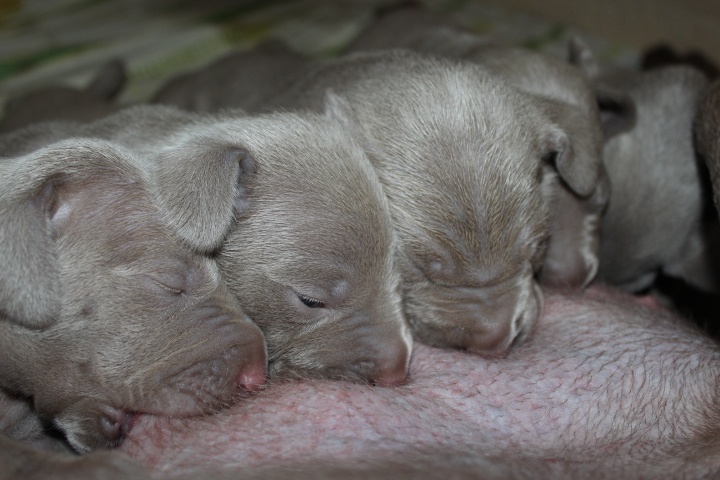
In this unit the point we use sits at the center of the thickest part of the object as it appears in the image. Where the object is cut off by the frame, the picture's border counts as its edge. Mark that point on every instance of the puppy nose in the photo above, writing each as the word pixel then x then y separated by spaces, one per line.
pixel 252 375
pixel 393 364
pixel 253 378
pixel 494 338
pixel 116 424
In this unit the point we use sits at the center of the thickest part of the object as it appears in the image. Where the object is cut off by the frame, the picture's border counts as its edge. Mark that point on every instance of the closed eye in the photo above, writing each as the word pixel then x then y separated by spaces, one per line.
pixel 167 288
pixel 310 301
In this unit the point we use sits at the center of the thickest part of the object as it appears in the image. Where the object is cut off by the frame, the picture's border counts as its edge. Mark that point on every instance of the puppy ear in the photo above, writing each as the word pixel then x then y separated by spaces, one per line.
pixel 571 142
pixel 580 55
pixel 40 194
pixel 109 81
pixel 579 172
pixel 201 186
pixel 29 284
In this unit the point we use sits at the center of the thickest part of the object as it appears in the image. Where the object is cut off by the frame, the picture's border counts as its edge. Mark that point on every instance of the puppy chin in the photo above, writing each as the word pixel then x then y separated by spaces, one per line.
pixel 101 427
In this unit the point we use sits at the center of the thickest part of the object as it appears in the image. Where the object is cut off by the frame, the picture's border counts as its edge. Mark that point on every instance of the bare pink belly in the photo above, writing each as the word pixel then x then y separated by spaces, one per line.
pixel 604 383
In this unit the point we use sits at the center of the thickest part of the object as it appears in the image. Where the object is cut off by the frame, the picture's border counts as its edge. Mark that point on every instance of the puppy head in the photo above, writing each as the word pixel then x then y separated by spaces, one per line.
pixel 461 158
pixel 145 324
pixel 312 260
pixel 572 257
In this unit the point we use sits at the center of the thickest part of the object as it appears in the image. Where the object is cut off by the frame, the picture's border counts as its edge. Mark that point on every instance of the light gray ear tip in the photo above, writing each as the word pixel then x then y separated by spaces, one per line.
pixel 580 55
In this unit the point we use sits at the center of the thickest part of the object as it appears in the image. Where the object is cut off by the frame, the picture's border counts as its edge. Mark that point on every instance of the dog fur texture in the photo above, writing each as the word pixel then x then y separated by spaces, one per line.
pixel 296 218
pixel 105 312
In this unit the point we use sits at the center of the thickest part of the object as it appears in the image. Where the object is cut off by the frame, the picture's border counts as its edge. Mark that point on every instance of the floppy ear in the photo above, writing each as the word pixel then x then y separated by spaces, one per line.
pixel 39 193
pixel 109 81
pixel 29 285
pixel 201 186
pixel 579 172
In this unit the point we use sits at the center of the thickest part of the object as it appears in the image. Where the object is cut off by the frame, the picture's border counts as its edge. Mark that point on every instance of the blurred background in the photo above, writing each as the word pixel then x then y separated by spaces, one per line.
pixel 66 41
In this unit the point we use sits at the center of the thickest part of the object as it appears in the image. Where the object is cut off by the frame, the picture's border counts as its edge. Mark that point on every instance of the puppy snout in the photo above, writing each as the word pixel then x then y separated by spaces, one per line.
pixel 115 424
pixel 253 371
pixel 391 365
pixel 507 323
pixel 495 337
pixel 243 347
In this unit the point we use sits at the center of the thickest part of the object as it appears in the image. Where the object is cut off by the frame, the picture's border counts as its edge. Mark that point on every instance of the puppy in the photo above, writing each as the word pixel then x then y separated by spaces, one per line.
pixel 105 313
pixel 310 248
pixel 271 60
pixel 463 159
pixel 66 103
pixel 655 221
pixel 565 91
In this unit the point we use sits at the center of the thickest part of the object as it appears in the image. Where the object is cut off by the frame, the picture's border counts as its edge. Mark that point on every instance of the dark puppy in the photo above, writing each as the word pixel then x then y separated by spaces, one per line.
pixel 105 312
pixel 94 101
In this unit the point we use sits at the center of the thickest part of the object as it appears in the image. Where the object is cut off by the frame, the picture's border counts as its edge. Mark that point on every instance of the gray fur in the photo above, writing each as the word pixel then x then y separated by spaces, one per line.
pixel 459 154
pixel 654 218
pixel 563 89
pixel 105 312
pixel 298 211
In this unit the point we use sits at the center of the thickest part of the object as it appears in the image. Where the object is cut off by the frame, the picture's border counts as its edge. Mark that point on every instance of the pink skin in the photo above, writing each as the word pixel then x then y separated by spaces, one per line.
pixel 604 383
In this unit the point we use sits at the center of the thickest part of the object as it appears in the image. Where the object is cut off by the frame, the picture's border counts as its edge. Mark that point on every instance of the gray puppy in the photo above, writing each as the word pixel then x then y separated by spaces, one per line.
pixel 654 221
pixel 565 91
pixel 94 101
pixel 461 157
pixel 105 312
pixel 310 247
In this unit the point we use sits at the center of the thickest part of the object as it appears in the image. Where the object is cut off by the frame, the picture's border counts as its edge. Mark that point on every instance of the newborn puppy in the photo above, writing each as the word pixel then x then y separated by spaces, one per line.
pixel 56 103
pixel 564 90
pixel 462 158
pixel 310 247
pixel 271 59
pixel 105 314
pixel 655 218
